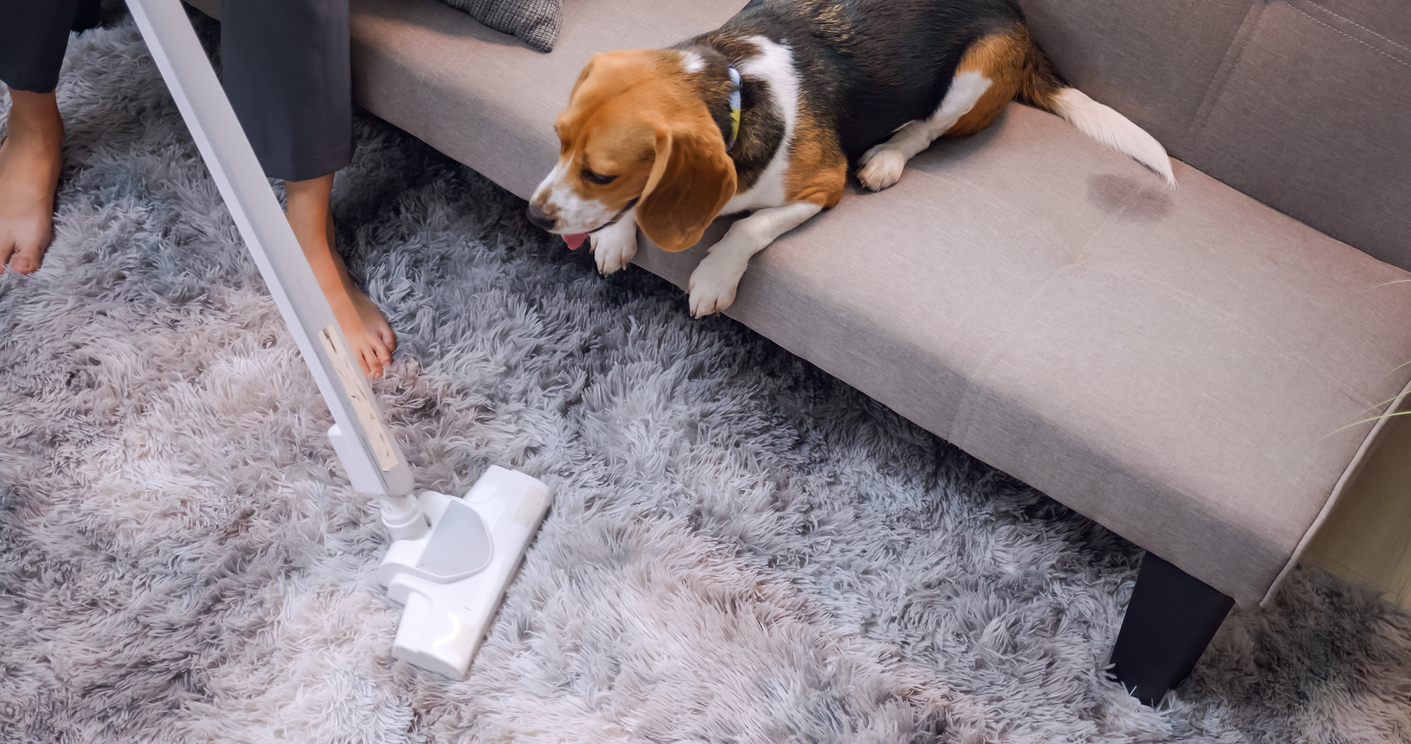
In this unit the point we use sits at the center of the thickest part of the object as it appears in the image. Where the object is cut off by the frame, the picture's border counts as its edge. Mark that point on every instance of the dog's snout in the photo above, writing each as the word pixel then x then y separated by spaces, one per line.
pixel 539 216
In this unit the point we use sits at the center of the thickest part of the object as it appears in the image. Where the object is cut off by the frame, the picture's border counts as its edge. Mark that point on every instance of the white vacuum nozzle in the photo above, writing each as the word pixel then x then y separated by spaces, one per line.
pixel 452 578
pixel 403 517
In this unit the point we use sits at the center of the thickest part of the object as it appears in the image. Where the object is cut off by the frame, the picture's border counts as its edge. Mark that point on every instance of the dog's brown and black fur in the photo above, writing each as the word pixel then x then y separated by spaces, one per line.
pixel 825 84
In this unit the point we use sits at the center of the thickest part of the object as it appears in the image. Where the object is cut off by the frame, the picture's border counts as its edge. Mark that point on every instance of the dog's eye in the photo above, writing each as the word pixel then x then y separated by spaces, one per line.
pixel 598 178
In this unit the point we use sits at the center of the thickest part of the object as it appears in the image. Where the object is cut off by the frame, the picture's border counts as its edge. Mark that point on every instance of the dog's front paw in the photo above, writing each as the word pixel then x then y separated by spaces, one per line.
pixel 881 167
pixel 614 247
pixel 712 286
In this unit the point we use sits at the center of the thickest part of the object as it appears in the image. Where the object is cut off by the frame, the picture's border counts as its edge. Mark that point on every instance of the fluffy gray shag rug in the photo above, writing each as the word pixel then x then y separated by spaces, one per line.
pixel 742 549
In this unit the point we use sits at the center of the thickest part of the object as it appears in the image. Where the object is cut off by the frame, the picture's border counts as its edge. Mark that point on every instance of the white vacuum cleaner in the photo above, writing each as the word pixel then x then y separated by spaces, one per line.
pixel 452 558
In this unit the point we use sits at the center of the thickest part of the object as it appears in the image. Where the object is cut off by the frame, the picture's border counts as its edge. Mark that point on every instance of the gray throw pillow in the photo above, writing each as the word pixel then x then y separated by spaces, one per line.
pixel 535 22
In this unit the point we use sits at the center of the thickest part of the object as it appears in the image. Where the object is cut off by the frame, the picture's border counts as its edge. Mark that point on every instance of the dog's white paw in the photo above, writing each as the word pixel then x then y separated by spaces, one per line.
pixel 881 167
pixel 614 248
pixel 712 286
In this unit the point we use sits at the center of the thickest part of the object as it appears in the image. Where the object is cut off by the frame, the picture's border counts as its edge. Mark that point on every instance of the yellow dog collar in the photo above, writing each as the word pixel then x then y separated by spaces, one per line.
pixel 734 107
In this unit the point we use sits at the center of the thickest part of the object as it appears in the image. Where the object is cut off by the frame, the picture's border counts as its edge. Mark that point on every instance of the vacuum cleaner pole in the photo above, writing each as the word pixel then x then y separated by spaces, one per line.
pixel 452 558
pixel 374 463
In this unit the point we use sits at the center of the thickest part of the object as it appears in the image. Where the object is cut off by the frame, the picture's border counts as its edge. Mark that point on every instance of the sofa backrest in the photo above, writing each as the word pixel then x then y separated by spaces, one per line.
pixel 1304 105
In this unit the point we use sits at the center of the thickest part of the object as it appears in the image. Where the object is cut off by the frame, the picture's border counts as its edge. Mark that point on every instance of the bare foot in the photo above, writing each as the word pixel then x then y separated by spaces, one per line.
pixel 30 161
pixel 370 338
pixel 373 320
pixel 378 341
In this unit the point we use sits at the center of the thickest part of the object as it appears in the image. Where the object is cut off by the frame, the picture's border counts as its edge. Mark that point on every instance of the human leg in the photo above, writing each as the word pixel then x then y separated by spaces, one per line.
pixel 367 331
pixel 287 73
pixel 30 161
pixel 33 37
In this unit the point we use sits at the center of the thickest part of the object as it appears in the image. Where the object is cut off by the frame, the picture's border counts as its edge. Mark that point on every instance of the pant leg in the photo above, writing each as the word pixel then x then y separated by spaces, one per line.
pixel 33 37
pixel 288 75
pixel 88 15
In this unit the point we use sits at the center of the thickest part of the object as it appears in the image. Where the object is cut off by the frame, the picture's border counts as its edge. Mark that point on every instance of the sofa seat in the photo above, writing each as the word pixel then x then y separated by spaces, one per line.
pixel 1175 365
pixel 1178 365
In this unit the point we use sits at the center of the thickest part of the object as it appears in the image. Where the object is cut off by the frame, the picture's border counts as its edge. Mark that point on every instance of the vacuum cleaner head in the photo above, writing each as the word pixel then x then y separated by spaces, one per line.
pixel 452 579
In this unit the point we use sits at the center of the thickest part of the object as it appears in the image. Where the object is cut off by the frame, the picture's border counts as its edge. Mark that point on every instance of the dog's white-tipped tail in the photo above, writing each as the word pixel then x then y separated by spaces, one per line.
pixel 1113 129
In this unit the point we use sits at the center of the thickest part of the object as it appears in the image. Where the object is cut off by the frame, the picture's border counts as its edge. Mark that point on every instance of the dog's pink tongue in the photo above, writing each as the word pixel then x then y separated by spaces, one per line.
pixel 575 240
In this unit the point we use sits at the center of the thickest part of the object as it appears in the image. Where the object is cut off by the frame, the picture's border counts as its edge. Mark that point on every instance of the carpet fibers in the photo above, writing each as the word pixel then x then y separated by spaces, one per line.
pixel 742 549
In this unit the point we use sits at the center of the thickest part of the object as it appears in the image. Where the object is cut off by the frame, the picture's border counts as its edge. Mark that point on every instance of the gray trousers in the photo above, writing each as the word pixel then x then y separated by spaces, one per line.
pixel 286 72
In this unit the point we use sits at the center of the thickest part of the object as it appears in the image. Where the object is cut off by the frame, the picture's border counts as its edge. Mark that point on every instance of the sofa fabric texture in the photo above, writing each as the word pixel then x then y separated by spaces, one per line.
pixel 1175 366
pixel 1178 365
pixel 1303 105
pixel 535 22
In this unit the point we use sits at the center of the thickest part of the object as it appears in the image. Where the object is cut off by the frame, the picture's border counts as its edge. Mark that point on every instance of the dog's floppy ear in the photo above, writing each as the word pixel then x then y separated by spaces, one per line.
pixel 587 70
pixel 691 180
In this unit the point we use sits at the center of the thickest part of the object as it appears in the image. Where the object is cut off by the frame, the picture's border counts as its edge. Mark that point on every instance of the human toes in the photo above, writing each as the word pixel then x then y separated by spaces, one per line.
pixel 26 259
pixel 388 338
pixel 371 361
pixel 383 354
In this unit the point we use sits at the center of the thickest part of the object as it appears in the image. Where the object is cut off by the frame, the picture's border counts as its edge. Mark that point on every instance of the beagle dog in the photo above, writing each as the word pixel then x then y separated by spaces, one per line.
pixel 765 114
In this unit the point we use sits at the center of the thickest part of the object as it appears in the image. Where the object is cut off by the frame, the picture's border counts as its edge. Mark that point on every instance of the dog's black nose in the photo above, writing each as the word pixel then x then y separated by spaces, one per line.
pixel 539 217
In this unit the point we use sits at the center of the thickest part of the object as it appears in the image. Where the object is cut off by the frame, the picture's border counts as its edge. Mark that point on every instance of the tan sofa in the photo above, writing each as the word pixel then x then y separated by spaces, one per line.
pixel 1180 366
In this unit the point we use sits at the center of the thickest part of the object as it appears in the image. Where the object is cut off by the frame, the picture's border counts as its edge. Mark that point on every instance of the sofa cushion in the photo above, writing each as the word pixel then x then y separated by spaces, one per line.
pixel 1175 364
pixel 1302 104
pixel 535 22
pixel 1312 115
pixel 1253 93
pixel 1153 61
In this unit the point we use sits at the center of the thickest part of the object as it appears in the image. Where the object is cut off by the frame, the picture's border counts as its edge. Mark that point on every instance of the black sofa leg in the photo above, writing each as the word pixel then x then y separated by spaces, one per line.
pixel 1169 622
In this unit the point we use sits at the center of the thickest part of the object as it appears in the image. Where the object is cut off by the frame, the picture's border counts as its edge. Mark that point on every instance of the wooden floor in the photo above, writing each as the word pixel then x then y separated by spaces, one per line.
pixel 1367 538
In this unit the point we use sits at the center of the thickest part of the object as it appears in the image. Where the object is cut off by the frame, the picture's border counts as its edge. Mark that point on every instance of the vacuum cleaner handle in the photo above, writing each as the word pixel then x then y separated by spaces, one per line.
pixel 372 459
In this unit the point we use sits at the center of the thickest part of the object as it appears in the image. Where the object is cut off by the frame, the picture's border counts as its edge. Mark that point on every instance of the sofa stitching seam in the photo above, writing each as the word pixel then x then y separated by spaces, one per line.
pixel 1219 80
pixel 1355 23
pixel 1401 62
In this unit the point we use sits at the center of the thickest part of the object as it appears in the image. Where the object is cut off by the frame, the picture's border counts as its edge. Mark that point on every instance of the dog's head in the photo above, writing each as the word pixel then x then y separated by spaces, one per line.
pixel 636 132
